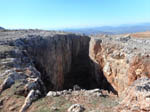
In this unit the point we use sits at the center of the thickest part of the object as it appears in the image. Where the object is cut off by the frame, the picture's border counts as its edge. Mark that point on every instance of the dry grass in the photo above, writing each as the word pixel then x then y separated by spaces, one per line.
pixel 6 48
pixel 141 34
pixel 12 103
pixel 62 103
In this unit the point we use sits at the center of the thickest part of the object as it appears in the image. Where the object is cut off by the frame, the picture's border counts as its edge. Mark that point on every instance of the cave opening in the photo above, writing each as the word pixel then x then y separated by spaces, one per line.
pixel 81 74
pixel 47 54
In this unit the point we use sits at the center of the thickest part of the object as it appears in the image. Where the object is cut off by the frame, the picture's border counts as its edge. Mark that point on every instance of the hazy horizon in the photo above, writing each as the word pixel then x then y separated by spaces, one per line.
pixel 59 14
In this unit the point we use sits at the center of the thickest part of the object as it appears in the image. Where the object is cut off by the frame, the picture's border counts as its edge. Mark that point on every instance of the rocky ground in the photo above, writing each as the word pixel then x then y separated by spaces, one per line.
pixel 141 34
pixel 48 71
pixel 90 100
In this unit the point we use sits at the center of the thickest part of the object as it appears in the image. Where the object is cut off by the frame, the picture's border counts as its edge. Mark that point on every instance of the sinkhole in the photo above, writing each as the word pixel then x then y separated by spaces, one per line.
pixel 63 61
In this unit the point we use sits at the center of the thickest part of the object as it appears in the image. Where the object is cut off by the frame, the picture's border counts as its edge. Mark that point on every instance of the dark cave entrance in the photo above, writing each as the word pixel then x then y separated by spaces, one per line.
pixel 82 68
pixel 81 74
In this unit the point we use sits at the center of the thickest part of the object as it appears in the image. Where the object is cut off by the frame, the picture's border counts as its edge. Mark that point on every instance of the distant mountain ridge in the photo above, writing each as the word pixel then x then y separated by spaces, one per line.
pixel 1 28
pixel 113 30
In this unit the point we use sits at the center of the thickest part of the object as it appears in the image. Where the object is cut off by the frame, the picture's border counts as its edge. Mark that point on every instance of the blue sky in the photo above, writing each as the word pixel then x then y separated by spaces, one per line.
pixel 52 14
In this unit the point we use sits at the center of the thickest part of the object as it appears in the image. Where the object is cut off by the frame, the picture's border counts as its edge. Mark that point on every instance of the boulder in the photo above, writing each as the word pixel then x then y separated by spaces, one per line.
pixel 32 96
pixel 76 87
pixel 76 108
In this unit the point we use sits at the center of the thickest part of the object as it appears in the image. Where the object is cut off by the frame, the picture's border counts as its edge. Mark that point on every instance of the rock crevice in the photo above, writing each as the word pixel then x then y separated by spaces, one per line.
pixel 62 60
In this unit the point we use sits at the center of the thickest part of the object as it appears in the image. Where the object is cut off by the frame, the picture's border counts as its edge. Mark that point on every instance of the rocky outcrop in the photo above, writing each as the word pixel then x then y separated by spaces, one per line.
pixel 76 108
pixel 139 67
pixel 32 96
pixel 48 61
pixel 122 59
pixel 137 97
pixel 55 57
pixel 92 92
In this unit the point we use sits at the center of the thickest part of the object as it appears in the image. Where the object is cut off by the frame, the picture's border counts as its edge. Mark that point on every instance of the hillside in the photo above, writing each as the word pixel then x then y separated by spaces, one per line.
pixel 1 28
pixel 122 29
pixel 141 34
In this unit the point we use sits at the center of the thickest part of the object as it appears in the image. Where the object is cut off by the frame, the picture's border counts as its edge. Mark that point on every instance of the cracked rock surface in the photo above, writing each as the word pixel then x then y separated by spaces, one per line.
pixel 122 59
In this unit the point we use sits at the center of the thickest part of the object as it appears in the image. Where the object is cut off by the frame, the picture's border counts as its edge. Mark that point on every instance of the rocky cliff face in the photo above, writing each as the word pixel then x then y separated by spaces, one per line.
pixel 58 57
pixel 43 61
pixel 125 63
pixel 137 97
pixel 122 59
pixel 61 59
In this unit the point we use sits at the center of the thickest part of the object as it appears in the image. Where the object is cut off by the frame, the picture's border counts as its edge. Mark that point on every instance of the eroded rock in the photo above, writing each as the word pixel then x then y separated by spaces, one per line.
pixel 122 60
pixel 32 96
pixel 43 61
pixel 76 108
pixel 76 87
pixel 137 96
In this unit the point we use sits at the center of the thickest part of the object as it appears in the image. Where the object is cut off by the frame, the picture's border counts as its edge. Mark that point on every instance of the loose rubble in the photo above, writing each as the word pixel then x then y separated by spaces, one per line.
pixel 93 92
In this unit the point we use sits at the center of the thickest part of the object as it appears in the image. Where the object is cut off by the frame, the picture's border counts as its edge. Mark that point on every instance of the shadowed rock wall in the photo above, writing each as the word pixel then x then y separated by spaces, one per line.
pixel 62 59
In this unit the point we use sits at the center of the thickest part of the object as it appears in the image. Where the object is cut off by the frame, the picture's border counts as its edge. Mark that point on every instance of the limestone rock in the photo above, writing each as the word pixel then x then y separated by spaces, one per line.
pixel 56 56
pixel 137 96
pixel 32 96
pixel 6 84
pixel 76 87
pixel 121 59
pixel 93 92
pixel 53 94
pixel 76 108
